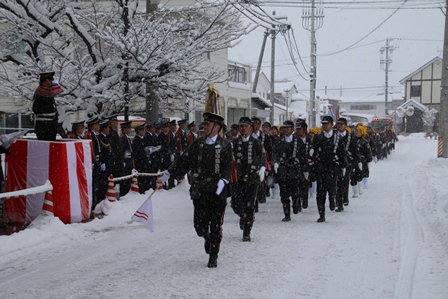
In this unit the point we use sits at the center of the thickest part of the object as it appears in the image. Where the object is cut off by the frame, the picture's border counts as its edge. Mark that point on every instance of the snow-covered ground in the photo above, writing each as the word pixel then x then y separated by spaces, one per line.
pixel 391 242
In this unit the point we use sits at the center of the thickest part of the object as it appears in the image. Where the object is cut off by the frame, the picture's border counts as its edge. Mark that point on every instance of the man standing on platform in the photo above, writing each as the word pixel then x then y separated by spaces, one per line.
pixel 44 107
pixel 209 159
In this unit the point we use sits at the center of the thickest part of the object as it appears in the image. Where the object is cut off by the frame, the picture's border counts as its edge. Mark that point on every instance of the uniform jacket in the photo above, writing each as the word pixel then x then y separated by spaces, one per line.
pixel 329 153
pixel 248 157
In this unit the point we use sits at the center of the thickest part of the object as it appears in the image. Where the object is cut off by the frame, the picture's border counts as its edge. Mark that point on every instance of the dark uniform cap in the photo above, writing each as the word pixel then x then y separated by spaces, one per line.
pixel 256 120
pixel 126 124
pixel 326 119
pixel 139 128
pixel 78 124
pixel 301 123
pixel 104 123
pixel 158 125
pixel 191 125
pixel 245 121
pixel 46 75
pixel 151 124
pixel 165 124
pixel 173 122
pixel 211 117
pixel 288 123
pixel 266 124
pixel 234 127
pixel 342 120
pixel 93 120
pixel 182 121
pixel 113 117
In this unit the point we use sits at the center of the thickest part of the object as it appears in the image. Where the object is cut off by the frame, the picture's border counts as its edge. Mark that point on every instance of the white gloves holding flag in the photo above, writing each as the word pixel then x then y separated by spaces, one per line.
pixel 261 173
pixel 221 185
pixel 165 177
pixel 275 167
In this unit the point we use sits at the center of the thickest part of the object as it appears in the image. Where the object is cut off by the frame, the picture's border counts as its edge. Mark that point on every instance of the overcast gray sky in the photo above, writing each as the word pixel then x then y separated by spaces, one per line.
pixel 417 31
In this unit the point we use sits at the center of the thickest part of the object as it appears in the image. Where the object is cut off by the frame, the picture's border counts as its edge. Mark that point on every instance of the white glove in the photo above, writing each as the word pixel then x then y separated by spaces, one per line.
pixel 311 152
pixel 343 171
pixel 375 158
pixel 165 177
pixel 103 167
pixel 368 165
pixel 172 158
pixel 127 155
pixel 275 167
pixel 360 166
pixel 306 175
pixel 221 185
pixel 261 173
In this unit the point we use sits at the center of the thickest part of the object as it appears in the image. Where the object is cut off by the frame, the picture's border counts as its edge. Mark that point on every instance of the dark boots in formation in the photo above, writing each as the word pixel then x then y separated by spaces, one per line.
pixel 212 250
pixel 321 209
pixel 246 227
pixel 287 211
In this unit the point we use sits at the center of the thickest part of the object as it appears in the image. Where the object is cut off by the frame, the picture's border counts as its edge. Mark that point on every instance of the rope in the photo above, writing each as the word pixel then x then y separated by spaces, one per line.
pixel 136 173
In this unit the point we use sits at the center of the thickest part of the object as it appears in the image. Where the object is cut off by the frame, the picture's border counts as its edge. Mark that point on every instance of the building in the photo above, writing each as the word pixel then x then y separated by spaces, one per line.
pixel 423 85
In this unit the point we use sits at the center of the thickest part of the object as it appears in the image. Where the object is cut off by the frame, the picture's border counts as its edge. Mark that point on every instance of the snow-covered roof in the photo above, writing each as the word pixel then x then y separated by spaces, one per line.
pixel 280 87
pixel 414 104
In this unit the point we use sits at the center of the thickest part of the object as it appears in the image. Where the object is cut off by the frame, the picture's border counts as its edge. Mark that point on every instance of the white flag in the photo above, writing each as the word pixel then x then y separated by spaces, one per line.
pixel 144 214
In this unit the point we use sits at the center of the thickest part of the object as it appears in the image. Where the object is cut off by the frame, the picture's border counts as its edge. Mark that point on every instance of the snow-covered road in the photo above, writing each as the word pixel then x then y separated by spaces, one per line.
pixel 391 242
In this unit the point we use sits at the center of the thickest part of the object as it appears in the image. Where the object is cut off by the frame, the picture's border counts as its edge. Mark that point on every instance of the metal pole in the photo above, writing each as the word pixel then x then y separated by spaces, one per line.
pixel 152 100
pixel 271 116
pixel 443 115
pixel 313 67
pixel 260 60
pixel 386 85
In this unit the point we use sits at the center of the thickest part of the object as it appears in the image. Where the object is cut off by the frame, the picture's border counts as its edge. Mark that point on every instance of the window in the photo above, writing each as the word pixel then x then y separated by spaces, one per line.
pixel 13 122
pixel 237 74
pixel 416 91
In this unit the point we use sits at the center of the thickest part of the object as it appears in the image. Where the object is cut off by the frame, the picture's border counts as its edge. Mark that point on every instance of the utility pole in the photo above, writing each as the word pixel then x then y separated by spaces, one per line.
pixel 385 62
pixel 260 60
pixel 273 34
pixel 312 20
pixel 152 99
pixel 443 114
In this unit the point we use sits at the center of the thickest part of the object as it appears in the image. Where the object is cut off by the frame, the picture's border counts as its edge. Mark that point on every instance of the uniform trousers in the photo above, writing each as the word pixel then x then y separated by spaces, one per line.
pixel 326 183
pixel 209 210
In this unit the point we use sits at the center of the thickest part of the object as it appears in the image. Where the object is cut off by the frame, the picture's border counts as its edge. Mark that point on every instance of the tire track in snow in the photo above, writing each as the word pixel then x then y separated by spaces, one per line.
pixel 411 243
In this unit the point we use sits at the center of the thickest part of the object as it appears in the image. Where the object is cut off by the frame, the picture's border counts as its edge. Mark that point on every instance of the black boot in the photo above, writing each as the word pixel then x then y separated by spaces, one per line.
pixel 339 209
pixel 241 223
pixel 207 243
pixel 246 232
pixel 213 259
pixel 287 211
pixel 296 208
pixel 304 203
pixel 321 209
pixel 331 201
